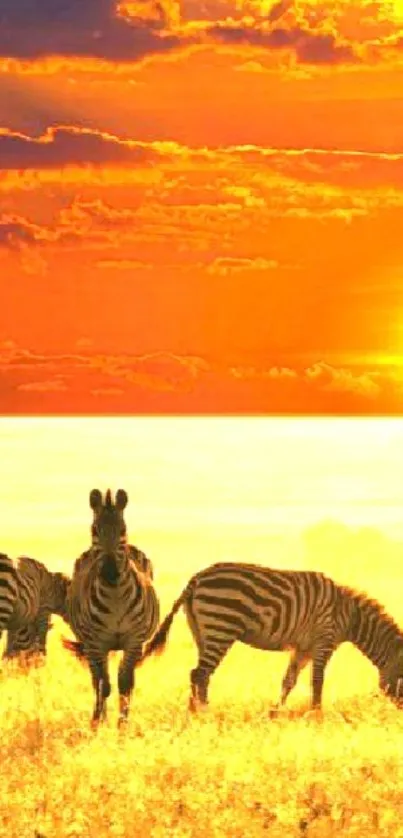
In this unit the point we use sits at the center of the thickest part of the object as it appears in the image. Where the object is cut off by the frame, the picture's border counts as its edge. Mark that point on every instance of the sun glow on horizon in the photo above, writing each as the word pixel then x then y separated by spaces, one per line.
pixel 396 7
pixel 199 487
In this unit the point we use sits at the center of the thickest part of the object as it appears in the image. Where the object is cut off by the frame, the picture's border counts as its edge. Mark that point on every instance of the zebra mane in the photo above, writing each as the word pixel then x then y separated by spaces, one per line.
pixel 61 580
pixel 25 562
pixel 370 605
pixel 108 498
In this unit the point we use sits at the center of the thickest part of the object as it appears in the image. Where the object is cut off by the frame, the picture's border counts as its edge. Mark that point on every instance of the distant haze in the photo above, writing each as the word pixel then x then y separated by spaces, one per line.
pixel 320 493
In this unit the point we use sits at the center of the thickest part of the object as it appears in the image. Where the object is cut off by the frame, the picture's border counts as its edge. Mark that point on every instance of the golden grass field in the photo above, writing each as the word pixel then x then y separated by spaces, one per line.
pixel 230 772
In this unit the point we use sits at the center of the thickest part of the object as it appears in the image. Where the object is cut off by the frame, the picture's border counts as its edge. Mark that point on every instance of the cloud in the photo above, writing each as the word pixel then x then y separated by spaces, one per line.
pixel 311 47
pixel 15 231
pixel 130 32
pixel 250 67
pixel 279 9
pixel 80 28
pixel 322 376
pixel 124 265
pixel 161 371
pixel 21 236
pixel 344 380
pixel 51 385
pixel 158 371
pixel 164 381
pixel 208 206
pixel 70 146
pixel 224 265
pixel 63 146
pixel 93 224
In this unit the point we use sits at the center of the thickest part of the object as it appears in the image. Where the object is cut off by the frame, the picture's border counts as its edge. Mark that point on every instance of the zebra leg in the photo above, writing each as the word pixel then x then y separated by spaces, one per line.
pixel 9 651
pixel 102 687
pixel 126 680
pixel 42 626
pixel 297 663
pixel 321 657
pixel 209 658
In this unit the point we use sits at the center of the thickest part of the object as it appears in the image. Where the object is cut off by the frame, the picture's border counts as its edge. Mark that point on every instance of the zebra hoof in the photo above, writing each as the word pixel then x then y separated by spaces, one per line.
pixel 197 706
pixel 122 722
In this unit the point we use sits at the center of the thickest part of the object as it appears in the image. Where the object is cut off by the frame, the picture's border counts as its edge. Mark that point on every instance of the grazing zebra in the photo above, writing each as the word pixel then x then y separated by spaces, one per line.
pixel 40 593
pixel 277 610
pixel 111 605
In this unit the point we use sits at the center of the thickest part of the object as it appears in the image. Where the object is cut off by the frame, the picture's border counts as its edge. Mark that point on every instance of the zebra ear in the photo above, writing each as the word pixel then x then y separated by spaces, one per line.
pixel 121 499
pixel 95 499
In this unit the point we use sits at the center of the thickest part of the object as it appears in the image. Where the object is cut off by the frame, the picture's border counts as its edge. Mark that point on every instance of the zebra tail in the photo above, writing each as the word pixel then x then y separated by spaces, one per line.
pixel 156 646
pixel 75 647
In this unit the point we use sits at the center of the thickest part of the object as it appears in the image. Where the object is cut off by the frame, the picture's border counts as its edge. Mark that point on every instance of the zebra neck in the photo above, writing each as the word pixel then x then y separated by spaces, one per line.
pixel 374 633
pixel 112 565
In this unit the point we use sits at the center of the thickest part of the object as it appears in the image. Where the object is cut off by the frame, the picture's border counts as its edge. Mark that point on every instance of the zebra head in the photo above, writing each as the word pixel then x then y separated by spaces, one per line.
pixel 109 535
pixel 391 678
pixel 25 643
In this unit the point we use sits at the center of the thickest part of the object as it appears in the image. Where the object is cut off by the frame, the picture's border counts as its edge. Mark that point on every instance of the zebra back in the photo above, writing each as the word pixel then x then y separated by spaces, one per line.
pixel 40 592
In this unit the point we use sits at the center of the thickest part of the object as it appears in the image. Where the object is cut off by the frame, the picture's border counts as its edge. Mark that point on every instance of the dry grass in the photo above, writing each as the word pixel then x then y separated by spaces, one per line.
pixel 231 772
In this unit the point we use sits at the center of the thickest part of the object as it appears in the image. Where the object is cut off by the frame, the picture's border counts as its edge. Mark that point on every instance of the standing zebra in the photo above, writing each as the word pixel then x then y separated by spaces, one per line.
pixel 111 605
pixel 277 610
pixel 40 593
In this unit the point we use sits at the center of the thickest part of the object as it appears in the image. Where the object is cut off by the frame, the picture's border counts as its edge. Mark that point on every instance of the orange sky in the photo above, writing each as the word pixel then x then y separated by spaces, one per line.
pixel 201 207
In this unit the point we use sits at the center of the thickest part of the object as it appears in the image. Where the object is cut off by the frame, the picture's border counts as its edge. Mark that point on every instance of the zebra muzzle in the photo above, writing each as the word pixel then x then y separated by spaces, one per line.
pixel 109 569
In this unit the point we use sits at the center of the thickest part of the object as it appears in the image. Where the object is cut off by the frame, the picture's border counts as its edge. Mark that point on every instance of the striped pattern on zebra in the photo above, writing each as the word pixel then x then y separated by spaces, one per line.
pixel 111 605
pixel 40 593
pixel 142 565
pixel 8 590
pixel 24 642
pixel 278 610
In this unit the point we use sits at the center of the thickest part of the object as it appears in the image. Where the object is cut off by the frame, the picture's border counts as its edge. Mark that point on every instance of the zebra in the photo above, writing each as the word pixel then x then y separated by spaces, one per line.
pixel 40 593
pixel 111 605
pixel 144 568
pixel 278 610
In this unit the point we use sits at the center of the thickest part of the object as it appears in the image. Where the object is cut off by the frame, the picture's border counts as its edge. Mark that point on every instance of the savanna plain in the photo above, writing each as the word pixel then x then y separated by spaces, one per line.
pixel 230 771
